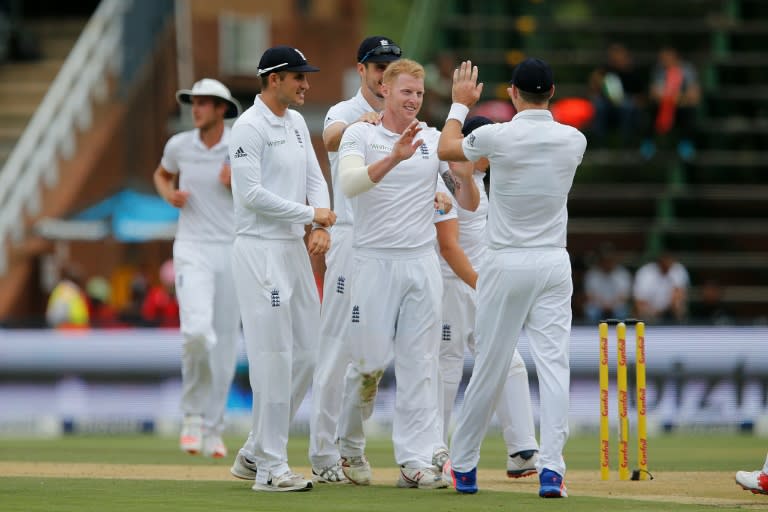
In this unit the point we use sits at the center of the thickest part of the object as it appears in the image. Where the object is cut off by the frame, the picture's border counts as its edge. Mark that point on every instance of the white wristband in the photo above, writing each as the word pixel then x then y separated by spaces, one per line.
pixel 458 112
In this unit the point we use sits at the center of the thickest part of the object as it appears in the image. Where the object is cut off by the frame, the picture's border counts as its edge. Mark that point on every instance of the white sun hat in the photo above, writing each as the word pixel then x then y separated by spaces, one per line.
pixel 210 87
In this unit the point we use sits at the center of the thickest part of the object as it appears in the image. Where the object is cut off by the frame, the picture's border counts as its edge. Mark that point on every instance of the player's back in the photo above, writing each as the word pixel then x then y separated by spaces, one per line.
pixel 534 161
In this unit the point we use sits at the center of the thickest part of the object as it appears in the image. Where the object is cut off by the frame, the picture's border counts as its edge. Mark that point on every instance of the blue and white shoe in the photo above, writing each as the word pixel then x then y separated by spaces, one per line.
pixel 465 483
pixel 551 484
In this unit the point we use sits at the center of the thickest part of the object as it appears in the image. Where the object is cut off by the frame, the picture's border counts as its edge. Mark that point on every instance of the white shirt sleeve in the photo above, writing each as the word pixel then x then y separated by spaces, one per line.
pixel 479 143
pixel 335 115
pixel 644 283
pixel 317 188
pixel 247 182
pixel 679 276
pixel 170 159
pixel 353 172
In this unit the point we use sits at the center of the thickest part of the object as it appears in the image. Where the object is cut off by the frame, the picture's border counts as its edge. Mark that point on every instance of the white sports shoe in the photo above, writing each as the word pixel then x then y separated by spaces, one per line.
pixel 213 446
pixel 440 457
pixel 333 474
pixel 422 478
pixel 357 469
pixel 522 464
pixel 288 481
pixel 243 467
pixel 754 481
pixel 191 439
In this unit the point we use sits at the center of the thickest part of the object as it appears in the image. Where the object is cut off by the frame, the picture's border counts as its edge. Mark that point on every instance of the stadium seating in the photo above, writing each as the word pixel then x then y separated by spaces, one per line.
pixel 23 84
pixel 711 211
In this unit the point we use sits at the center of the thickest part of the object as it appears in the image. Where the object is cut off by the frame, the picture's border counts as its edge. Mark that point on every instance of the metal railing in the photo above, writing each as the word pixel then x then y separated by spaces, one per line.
pixel 65 110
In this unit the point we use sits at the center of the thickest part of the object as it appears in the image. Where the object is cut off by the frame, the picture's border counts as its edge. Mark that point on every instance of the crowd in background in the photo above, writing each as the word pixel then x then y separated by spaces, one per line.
pixel 139 300
pixel 629 104
pixel 626 105
pixel 628 108
pixel 658 292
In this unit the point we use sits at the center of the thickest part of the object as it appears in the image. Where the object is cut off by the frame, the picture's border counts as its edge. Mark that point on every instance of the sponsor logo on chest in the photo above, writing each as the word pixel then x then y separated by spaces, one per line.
pixel 380 148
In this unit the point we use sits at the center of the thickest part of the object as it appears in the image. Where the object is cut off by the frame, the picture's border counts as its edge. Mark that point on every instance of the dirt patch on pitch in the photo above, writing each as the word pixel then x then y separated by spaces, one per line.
pixel 706 488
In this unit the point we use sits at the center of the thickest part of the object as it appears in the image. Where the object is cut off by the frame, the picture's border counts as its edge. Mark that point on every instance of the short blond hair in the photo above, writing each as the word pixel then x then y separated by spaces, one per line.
pixel 403 67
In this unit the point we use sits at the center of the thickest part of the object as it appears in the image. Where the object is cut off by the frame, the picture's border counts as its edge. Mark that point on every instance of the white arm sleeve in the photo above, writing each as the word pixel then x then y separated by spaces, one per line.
pixel 353 174
pixel 317 188
pixel 170 160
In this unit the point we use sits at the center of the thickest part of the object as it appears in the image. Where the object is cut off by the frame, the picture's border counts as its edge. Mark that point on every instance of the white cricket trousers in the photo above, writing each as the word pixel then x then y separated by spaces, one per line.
pixel 519 288
pixel 332 353
pixel 280 313
pixel 396 302
pixel 514 406
pixel 210 323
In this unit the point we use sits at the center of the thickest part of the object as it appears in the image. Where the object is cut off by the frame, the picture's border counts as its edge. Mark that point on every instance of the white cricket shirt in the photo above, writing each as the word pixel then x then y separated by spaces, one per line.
pixel 208 214
pixel 471 229
pixel 274 173
pixel 346 112
pixel 398 212
pixel 655 287
pixel 533 161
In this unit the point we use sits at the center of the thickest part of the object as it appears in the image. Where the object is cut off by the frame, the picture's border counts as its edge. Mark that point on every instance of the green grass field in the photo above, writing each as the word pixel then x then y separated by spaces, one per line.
pixel 715 456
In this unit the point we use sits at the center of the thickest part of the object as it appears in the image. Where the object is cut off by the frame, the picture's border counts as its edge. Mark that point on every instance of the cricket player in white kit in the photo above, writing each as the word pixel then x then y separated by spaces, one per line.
pixel 208 310
pixel 754 481
pixel 462 248
pixel 525 280
pixel 274 174
pixel 373 56
pixel 391 170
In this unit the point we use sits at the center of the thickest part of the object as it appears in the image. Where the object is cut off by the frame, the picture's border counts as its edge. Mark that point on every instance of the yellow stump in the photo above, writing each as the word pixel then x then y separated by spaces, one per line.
pixel 604 428
pixel 621 388
pixel 642 434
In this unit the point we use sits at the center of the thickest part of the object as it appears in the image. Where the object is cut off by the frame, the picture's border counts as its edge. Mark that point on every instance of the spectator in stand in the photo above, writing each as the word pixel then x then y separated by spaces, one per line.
pixel 607 286
pixel 137 286
pixel 67 304
pixel 675 95
pixel 101 313
pixel 619 93
pixel 160 307
pixel 710 309
pixel 661 290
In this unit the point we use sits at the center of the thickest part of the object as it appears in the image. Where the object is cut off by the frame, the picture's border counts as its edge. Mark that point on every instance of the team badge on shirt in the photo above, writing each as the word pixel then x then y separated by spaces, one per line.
pixel 355 314
pixel 424 151
pixel 446 332
pixel 298 138
pixel 347 145
pixel 340 285
pixel 275 298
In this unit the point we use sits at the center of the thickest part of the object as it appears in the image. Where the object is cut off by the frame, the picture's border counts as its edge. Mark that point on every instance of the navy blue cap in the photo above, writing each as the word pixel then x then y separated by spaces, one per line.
pixel 474 122
pixel 283 58
pixel 378 49
pixel 533 75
